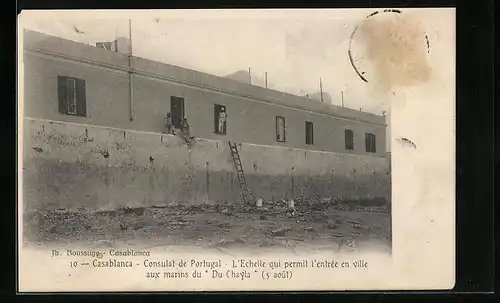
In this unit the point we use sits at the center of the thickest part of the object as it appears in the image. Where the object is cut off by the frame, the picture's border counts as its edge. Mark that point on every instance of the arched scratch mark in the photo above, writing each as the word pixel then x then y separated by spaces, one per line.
pixel 385 11
pixel 352 36
pixel 350 57
pixel 392 11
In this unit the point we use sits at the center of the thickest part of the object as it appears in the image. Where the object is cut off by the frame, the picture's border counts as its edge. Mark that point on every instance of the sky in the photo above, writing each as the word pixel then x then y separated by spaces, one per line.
pixel 295 48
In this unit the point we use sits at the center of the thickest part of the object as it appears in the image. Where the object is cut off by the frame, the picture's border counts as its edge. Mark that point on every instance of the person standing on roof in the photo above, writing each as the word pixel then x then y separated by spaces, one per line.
pixel 222 120
pixel 185 128
pixel 168 124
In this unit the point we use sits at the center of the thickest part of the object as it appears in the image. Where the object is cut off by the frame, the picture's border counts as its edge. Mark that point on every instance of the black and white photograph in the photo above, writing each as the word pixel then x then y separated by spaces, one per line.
pixel 217 132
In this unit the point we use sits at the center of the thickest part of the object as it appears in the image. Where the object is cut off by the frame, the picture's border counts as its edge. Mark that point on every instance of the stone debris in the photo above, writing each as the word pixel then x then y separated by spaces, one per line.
pixel 224 208
pixel 179 223
pixel 280 232
pixel 226 212
pixel 224 225
pixel 335 235
pixel 226 242
pixel 138 211
pixel 266 242
pixel 342 207
pixel 259 202
pixel 348 244
pixel 326 199
pixel 331 224
pixel 351 221
pixel 105 243
pixel 213 221
pixel 159 206
pixel 375 209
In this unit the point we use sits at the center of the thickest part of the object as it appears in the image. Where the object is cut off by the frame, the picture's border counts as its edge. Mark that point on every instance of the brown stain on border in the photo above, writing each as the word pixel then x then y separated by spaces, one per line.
pixel 396 48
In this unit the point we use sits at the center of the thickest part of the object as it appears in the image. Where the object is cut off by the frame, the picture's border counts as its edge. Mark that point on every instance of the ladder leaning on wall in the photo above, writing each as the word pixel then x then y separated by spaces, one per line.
pixel 245 193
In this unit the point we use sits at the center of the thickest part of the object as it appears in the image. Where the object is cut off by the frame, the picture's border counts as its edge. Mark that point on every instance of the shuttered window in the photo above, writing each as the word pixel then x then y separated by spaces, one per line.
pixel 280 129
pixel 72 96
pixel 370 142
pixel 309 133
pixel 349 139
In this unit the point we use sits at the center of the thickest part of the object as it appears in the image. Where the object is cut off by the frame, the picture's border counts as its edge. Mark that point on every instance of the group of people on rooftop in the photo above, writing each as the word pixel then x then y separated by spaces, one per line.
pixel 184 130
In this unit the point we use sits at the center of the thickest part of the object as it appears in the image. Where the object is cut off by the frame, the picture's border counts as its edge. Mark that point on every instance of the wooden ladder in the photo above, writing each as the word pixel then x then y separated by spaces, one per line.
pixel 245 193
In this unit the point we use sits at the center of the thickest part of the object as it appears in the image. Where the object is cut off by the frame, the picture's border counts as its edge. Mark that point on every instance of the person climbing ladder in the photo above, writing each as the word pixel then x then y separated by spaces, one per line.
pixel 185 132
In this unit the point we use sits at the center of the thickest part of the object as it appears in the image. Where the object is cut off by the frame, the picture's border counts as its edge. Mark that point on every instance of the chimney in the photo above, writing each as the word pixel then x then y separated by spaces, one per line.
pixel 120 45
pixel 109 46
pixel 123 45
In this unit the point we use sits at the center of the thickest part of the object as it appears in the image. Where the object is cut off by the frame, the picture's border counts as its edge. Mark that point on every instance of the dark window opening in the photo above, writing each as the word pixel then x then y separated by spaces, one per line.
pixel 72 96
pixel 370 143
pixel 280 129
pixel 177 110
pixel 220 119
pixel 309 133
pixel 349 139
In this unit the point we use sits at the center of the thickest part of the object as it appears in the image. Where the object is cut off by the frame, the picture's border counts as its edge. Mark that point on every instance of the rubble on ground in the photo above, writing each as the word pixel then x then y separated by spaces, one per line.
pixel 259 202
pixel 304 219
pixel 280 232
pixel 332 224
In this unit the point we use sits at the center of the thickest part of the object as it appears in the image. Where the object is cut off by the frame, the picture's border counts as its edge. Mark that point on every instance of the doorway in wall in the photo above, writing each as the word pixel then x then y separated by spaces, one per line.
pixel 177 110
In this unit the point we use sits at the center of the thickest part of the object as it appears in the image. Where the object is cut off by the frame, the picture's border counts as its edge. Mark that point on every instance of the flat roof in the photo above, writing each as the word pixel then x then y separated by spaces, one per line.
pixel 52 45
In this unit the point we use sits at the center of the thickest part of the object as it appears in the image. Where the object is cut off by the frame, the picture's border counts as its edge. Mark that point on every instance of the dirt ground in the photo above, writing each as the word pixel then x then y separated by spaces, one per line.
pixel 332 224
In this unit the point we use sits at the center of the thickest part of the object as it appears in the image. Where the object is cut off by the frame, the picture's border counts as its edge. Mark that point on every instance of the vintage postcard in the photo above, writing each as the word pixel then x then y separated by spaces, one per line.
pixel 236 150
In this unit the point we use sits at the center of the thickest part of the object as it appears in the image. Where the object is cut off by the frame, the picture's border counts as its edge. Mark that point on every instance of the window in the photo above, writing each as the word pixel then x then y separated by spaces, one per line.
pixel 72 98
pixel 370 143
pixel 349 139
pixel 309 133
pixel 220 119
pixel 280 129
pixel 177 110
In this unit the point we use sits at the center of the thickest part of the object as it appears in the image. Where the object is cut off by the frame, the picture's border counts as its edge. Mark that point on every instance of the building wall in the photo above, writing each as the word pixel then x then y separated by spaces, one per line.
pixel 251 109
pixel 106 91
pixel 74 165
